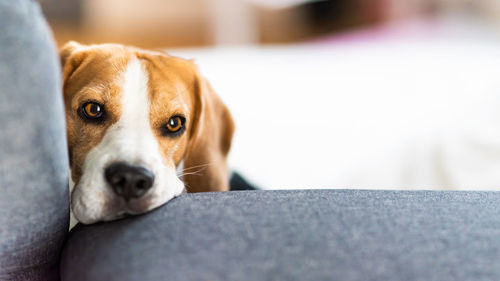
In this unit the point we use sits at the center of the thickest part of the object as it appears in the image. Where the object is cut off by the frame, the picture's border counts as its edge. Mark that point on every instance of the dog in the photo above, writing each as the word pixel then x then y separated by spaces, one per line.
pixel 142 127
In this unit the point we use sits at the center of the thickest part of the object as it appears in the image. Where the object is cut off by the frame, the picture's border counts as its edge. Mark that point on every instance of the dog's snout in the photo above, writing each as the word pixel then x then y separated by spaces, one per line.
pixel 129 181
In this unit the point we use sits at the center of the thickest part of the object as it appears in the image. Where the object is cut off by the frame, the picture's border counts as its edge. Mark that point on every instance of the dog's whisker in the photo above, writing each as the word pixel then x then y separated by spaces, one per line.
pixel 197 166
pixel 183 173
pixel 188 171
pixel 194 174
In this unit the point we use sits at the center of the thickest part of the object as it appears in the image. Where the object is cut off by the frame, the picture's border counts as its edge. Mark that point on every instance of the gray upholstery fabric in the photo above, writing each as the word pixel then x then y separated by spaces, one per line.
pixel 297 235
pixel 33 162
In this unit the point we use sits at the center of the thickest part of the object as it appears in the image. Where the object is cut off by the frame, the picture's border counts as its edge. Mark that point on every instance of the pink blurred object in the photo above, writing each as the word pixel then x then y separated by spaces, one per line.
pixel 421 29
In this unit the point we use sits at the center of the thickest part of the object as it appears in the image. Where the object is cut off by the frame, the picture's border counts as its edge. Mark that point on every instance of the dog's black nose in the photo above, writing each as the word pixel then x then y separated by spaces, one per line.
pixel 129 181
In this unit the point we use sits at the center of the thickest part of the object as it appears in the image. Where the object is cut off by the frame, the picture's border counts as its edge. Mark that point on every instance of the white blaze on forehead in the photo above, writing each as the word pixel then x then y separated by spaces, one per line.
pixel 133 131
pixel 130 140
pixel 135 101
pixel 135 106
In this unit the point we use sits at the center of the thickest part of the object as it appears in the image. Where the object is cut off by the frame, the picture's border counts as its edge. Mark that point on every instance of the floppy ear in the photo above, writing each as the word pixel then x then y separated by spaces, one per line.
pixel 70 58
pixel 211 134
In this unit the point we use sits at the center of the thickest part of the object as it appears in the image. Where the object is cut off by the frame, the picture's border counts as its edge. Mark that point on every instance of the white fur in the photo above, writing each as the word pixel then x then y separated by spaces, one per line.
pixel 129 140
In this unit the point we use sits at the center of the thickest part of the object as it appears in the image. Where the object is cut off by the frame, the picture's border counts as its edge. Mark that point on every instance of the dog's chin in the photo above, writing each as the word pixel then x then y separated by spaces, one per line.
pixel 126 210
pixel 131 209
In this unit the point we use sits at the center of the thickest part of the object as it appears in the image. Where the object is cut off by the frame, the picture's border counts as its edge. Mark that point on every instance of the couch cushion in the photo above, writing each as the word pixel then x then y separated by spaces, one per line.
pixel 296 235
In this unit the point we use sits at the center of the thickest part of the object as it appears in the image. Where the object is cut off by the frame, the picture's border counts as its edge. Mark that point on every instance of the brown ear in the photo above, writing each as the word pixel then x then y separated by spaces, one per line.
pixel 71 58
pixel 211 134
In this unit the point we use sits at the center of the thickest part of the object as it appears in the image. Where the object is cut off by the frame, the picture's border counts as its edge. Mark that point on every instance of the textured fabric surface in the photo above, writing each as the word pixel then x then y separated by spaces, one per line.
pixel 297 235
pixel 33 162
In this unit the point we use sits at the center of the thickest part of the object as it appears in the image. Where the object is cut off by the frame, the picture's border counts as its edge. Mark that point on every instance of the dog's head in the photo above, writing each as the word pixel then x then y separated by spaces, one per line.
pixel 133 118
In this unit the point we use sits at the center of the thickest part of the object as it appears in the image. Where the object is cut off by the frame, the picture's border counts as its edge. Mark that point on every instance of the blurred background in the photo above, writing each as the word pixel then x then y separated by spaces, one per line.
pixel 383 94
pixel 186 23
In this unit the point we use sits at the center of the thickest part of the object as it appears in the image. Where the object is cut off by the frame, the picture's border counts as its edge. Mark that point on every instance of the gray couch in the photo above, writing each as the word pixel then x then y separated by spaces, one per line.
pixel 238 235
pixel 297 235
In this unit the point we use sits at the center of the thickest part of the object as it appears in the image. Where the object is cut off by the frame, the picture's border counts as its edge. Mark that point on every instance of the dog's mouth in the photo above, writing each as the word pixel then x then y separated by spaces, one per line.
pixel 127 209
pixel 121 215
pixel 106 204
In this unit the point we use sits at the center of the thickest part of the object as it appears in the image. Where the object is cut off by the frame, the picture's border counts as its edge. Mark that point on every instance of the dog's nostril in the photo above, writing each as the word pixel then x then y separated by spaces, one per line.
pixel 118 180
pixel 121 181
pixel 129 181
pixel 141 184
pixel 118 184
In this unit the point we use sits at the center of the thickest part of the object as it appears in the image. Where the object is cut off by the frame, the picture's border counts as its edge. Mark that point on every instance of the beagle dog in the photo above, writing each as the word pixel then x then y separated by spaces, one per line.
pixel 142 127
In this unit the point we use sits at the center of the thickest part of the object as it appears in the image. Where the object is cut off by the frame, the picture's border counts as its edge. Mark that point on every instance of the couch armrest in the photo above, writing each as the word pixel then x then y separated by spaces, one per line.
pixel 296 235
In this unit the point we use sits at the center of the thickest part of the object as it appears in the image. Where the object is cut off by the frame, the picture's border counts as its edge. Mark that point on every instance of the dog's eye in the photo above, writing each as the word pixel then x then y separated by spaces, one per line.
pixel 91 111
pixel 174 126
